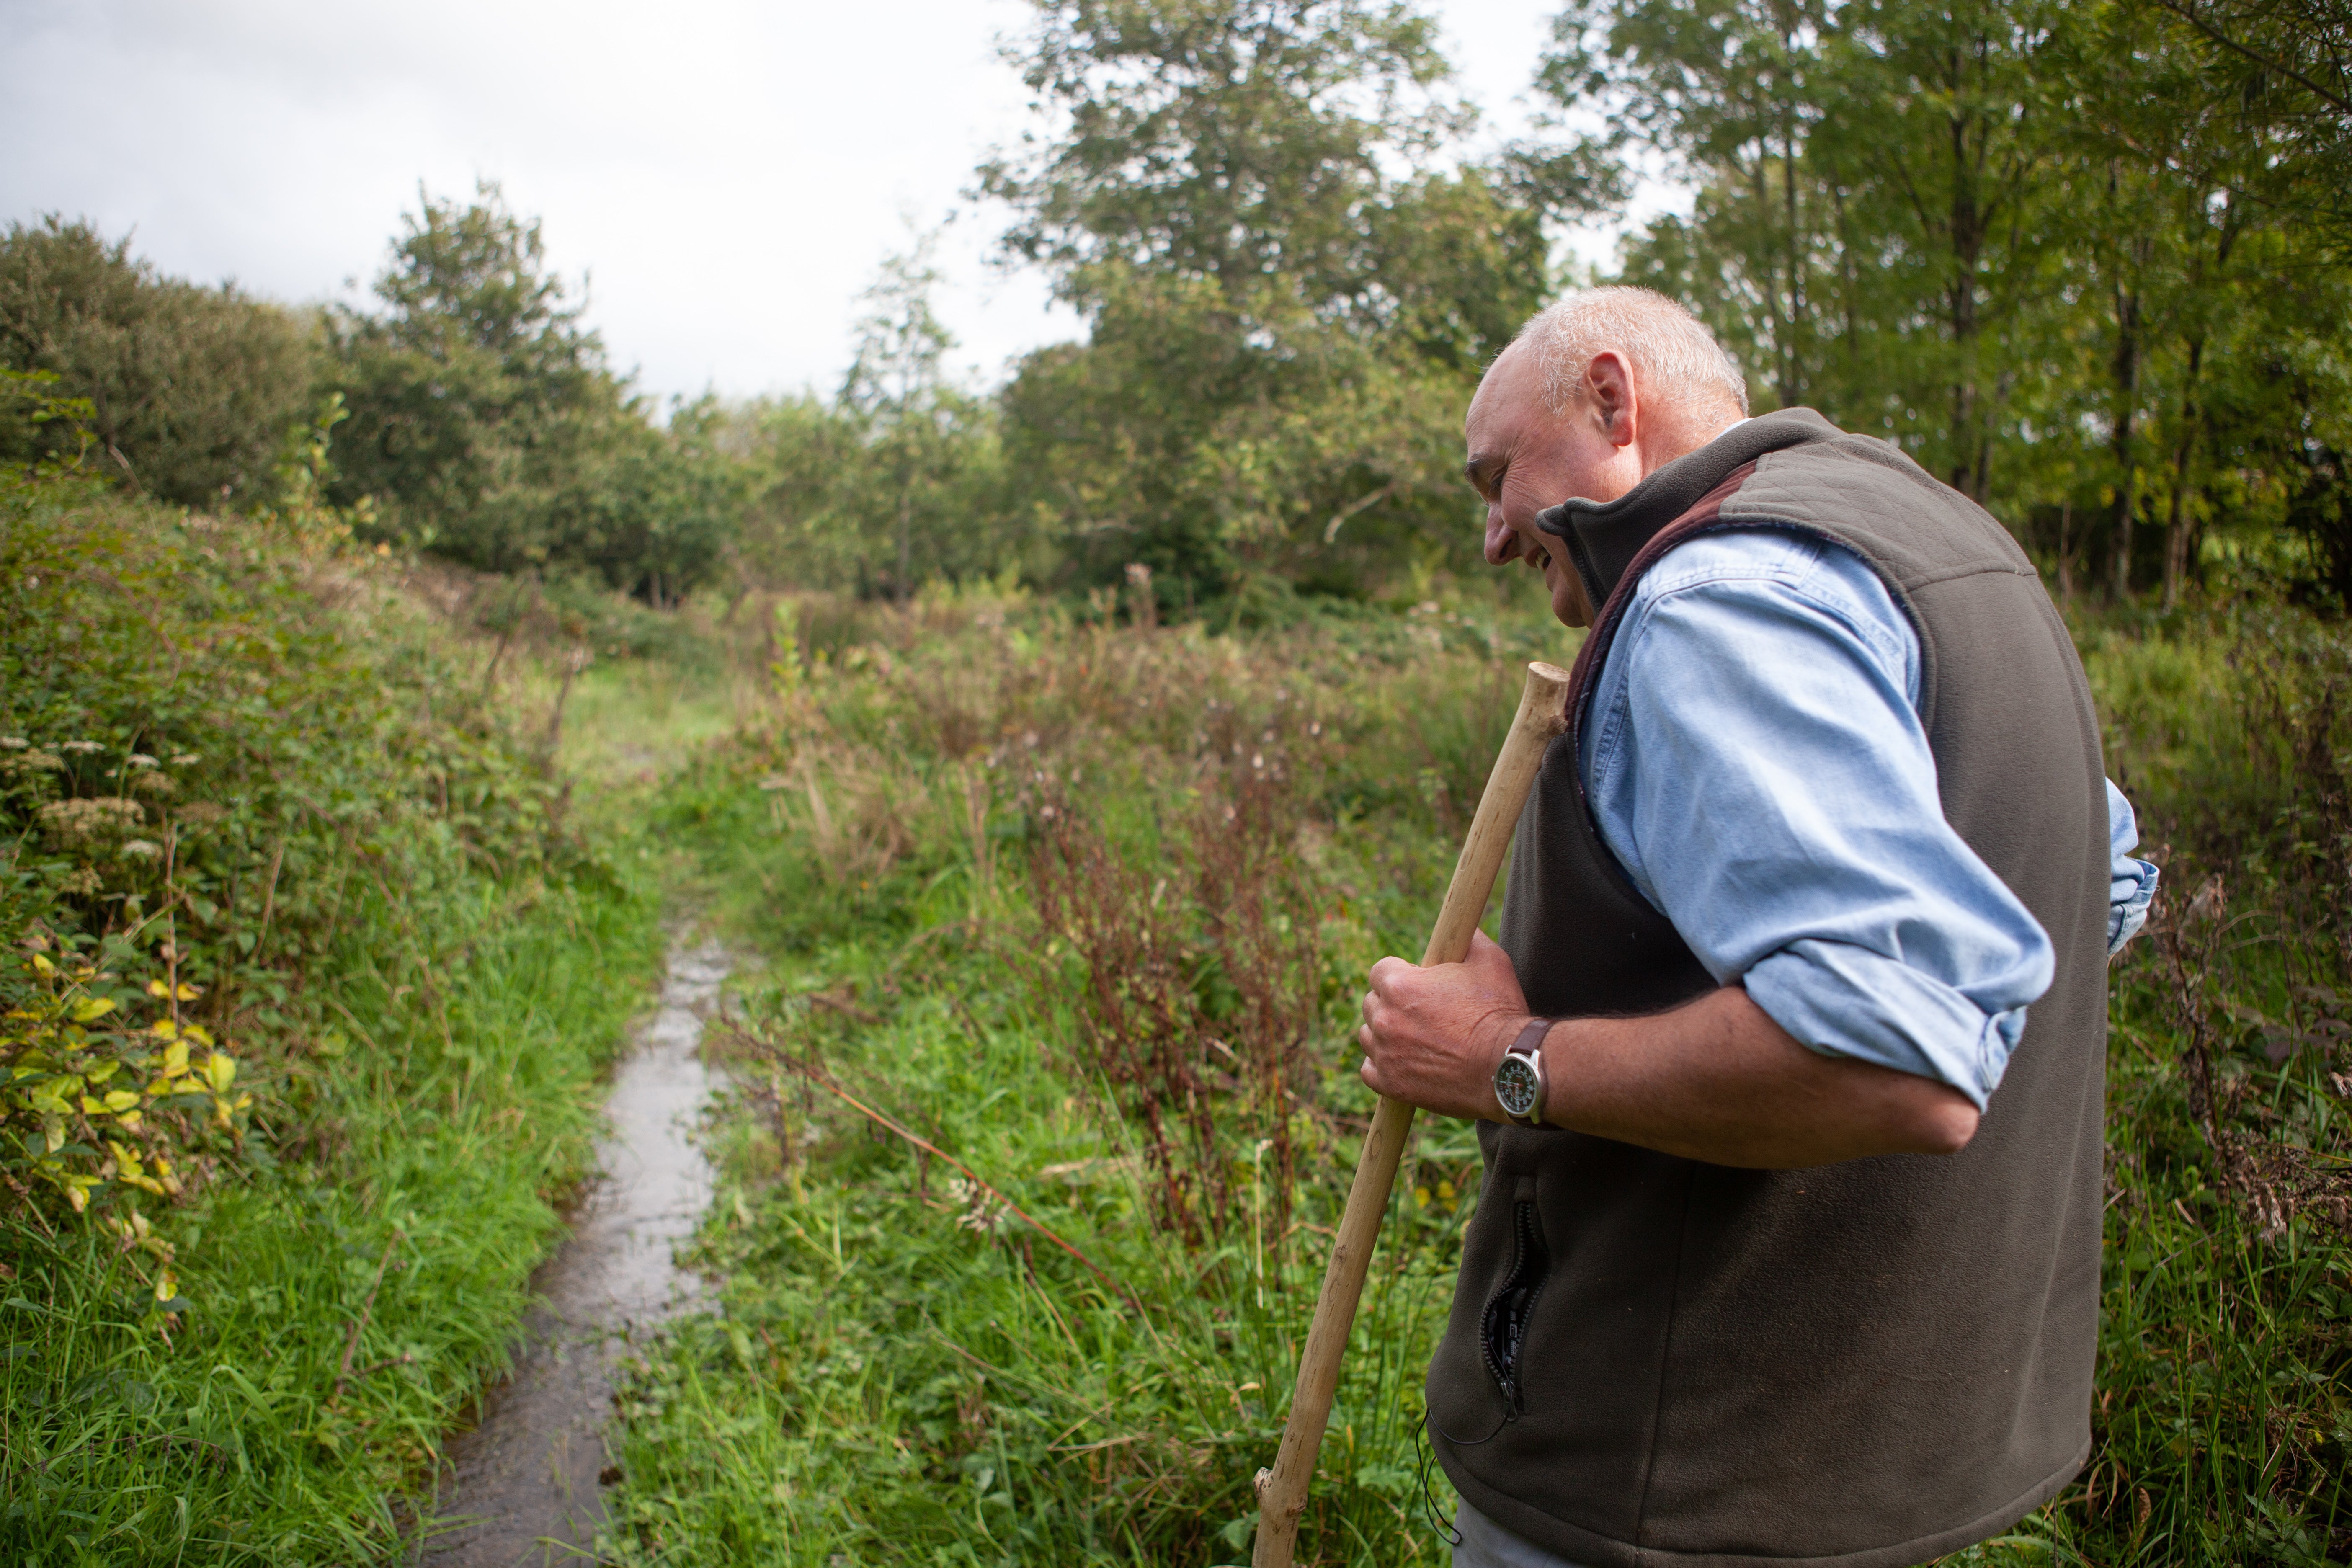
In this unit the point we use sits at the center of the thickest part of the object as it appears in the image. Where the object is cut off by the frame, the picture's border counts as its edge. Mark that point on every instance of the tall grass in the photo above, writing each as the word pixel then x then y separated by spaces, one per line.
pixel 348 1299
pixel 1043 1113
pixel 370 899
pixel 2222 1421
pixel 1077 908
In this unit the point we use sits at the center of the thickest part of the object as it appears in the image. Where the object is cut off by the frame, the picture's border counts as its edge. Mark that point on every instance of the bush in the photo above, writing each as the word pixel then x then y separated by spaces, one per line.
pixel 306 990
pixel 191 392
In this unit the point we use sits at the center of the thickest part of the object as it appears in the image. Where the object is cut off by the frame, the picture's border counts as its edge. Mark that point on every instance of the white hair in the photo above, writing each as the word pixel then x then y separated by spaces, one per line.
pixel 1670 351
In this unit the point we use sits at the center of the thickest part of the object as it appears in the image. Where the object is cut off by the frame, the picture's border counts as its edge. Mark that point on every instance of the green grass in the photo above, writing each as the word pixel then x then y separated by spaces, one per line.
pixel 390 1242
pixel 374 904
pixel 892 1374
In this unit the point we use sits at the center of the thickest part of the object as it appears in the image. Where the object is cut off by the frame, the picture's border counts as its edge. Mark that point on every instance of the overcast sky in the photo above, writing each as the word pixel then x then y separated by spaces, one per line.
pixel 730 174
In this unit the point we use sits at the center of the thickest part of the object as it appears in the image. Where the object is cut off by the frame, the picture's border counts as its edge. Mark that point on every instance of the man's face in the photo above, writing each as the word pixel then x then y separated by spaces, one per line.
pixel 1524 458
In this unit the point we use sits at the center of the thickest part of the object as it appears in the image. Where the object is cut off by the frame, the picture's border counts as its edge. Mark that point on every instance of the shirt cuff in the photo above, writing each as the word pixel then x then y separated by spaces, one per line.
pixel 1840 1000
pixel 2127 901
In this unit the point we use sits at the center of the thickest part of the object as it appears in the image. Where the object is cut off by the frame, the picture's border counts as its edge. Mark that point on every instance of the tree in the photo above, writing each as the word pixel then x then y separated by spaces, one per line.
pixel 486 422
pixel 914 425
pixel 1287 302
pixel 193 391
pixel 1869 183
pixel 2069 257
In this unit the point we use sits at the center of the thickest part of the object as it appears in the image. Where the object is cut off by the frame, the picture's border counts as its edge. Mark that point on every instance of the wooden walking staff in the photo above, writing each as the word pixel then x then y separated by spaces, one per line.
pixel 1282 1490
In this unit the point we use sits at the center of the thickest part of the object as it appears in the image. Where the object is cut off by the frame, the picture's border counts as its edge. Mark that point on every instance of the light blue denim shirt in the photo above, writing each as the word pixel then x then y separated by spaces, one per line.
pixel 1754 759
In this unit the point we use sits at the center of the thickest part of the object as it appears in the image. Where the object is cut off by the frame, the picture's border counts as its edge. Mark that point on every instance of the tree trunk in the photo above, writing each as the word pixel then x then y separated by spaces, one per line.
pixel 2126 369
pixel 1967 248
pixel 2178 524
pixel 2066 553
pixel 905 543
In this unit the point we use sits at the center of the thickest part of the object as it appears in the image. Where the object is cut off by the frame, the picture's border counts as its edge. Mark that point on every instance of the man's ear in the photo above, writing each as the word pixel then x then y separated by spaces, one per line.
pixel 1609 394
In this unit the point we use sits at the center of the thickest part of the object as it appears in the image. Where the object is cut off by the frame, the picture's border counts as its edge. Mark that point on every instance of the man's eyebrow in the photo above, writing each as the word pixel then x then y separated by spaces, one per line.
pixel 1480 465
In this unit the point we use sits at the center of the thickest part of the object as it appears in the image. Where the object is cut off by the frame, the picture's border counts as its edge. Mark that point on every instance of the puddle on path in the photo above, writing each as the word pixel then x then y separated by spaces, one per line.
pixel 525 1480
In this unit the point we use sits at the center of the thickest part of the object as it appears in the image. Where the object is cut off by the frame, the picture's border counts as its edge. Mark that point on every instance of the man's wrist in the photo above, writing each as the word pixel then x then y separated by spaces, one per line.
pixel 1521 1086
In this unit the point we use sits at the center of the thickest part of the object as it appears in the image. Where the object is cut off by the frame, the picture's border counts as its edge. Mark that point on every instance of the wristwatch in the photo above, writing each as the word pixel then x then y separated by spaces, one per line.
pixel 1520 1076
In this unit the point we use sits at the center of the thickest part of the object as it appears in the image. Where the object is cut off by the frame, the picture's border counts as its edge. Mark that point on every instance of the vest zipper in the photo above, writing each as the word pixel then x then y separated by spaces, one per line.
pixel 1503 1322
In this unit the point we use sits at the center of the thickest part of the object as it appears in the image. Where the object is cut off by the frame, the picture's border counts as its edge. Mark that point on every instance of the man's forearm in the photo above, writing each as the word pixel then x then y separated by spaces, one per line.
pixel 1717 1079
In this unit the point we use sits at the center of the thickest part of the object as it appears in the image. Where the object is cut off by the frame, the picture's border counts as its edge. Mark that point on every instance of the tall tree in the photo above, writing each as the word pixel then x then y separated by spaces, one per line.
pixel 1867 176
pixel 1285 295
pixel 912 418
pixel 486 421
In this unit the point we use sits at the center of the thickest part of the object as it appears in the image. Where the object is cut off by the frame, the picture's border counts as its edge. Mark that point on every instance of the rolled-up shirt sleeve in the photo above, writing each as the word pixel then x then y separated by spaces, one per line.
pixel 2131 881
pixel 1754 759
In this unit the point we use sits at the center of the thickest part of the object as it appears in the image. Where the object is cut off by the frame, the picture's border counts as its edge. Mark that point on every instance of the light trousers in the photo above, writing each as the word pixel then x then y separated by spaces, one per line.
pixel 1485 1544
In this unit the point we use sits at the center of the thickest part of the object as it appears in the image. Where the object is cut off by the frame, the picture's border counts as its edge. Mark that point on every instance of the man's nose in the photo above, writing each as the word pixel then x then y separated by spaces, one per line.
pixel 1502 541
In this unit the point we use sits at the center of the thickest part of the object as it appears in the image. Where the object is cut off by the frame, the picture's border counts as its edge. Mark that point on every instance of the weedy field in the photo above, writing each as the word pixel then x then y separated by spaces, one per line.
pixel 1041 1115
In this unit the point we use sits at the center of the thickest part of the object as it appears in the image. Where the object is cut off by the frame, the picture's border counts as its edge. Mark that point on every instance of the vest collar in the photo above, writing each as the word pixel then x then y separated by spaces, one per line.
pixel 1603 537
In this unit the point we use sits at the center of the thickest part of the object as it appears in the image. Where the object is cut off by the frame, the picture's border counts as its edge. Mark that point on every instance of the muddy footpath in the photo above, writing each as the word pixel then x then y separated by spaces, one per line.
pixel 525 1485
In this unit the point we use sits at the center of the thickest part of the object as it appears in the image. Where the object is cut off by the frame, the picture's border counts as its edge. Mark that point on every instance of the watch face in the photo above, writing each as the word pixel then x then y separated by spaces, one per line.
pixel 1517 1086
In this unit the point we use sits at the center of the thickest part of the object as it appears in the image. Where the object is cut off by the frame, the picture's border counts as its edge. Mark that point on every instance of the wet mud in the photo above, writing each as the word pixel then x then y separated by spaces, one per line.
pixel 525 1485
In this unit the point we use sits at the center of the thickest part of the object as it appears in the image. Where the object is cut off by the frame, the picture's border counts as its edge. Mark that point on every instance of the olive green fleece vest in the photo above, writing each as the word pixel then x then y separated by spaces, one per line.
pixel 1656 1361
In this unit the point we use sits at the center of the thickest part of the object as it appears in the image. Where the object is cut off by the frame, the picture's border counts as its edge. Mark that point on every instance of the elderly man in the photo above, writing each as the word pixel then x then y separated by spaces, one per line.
pixel 1788 1242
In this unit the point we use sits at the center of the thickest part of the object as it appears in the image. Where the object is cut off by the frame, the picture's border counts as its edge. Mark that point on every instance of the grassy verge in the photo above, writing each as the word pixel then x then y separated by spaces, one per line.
pixel 255 811
pixel 1082 911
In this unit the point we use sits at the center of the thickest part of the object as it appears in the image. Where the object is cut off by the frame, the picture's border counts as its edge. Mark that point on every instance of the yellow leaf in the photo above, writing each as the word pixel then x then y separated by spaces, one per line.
pixel 188 992
pixel 89 1007
pixel 132 1119
pixel 157 988
pixel 197 1033
pixel 166 1287
pixel 176 1058
pixel 220 1071
pixel 165 1029
pixel 43 966
pixel 90 1107
pixel 119 1100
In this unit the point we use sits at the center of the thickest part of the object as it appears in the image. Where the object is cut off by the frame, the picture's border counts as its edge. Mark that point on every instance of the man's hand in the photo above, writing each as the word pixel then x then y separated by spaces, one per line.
pixel 1433 1035
pixel 1716 1080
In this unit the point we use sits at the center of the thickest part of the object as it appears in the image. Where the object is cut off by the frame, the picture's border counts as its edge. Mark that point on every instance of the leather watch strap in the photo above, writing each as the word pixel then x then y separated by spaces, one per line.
pixel 1530 1043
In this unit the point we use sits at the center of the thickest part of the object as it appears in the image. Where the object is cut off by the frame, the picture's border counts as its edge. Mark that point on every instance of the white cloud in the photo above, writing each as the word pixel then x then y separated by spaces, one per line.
pixel 730 174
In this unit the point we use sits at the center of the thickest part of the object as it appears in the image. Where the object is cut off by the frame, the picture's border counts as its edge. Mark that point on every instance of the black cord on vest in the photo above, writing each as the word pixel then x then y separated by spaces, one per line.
pixel 1421 1446
pixel 1510 1413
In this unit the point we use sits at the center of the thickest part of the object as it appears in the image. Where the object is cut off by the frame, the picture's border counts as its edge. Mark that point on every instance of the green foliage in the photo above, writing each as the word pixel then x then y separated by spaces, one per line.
pixel 2063 255
pixel 269 1216
pixel 1287 303
pixel 344 1306
pixel 190 391
pixel 2220 1426
pixel 486 424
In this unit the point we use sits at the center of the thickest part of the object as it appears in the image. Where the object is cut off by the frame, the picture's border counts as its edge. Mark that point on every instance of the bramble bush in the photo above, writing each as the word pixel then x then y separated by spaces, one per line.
pixel 305 992
pixel 197 760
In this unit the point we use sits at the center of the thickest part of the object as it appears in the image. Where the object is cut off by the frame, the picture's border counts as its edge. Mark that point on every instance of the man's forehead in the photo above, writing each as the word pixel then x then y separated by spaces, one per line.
pixel 1500 402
